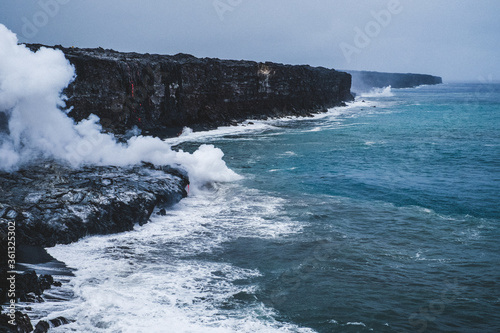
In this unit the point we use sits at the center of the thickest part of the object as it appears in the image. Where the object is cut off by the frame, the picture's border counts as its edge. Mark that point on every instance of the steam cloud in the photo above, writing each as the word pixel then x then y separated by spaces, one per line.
pixel 33 125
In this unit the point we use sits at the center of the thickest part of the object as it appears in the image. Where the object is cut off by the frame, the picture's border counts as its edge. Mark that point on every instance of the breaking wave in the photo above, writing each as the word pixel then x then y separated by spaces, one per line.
pixel 379 92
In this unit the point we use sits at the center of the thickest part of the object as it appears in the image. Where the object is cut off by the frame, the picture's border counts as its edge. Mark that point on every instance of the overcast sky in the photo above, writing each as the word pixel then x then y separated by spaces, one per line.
pixel 458 40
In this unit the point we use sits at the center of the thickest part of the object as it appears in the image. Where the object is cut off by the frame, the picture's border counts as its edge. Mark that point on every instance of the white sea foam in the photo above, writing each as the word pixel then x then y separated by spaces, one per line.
pixel 260 126
pixel 247 127
pixel 149 280
pixel 379 92
pixel 356 324
pixel 372 143
pixel 333 116
pixel 315 129
pixel 287 154
pixel 30 87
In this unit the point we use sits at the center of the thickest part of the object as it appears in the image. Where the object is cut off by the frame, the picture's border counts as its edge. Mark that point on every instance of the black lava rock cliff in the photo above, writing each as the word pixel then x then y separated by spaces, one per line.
pixel 161 94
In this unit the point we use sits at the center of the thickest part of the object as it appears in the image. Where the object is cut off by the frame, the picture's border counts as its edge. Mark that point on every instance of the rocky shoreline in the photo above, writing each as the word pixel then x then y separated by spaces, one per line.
pixel 49 203
pixel 53 204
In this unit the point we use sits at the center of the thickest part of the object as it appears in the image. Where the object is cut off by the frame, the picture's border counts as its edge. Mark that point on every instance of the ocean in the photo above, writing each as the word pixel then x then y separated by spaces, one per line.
pixel 382 216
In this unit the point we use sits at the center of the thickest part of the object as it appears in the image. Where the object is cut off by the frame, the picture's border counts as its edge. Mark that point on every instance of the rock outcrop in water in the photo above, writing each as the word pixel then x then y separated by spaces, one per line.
pixel 365 80
pixel 161 94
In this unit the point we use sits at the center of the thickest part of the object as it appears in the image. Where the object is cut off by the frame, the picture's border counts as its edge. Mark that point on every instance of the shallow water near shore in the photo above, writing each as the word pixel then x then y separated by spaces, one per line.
pixel 382 216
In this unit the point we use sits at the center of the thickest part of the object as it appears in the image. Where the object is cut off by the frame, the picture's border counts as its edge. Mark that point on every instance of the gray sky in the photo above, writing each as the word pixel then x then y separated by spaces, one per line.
pixel 458 40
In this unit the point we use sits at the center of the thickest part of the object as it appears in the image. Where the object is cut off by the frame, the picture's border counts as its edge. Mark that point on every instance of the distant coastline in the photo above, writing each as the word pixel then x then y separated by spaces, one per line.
pixel 365 80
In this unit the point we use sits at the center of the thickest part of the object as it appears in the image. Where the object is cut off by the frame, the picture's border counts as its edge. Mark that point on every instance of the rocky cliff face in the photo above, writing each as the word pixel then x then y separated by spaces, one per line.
pixel 364 81
pixel 162 94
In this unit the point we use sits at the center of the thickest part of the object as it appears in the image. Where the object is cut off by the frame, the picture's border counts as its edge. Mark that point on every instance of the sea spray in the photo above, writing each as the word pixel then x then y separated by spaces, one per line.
pixel 379 92
pixel 37 127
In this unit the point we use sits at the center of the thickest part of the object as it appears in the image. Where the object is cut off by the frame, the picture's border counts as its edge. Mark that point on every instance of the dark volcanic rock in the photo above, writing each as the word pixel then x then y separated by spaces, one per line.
pixel 364 80
pixel 27 283
pixel 161 94
pixel 43 326
pixel 22 321
pixel 49 204
pixel 29 286
pixel 5 327
pixel 52 204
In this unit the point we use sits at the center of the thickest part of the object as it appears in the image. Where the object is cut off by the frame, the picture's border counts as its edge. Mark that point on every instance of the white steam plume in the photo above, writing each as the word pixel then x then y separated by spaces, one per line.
pixel 30 97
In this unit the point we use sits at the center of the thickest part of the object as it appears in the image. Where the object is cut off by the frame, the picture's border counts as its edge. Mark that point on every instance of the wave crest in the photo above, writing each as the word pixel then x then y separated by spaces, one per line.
pixel 379 92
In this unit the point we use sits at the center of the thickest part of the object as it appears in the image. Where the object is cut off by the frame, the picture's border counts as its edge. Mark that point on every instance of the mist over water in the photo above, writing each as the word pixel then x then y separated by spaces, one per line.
pixel 378 92
pixel 34 124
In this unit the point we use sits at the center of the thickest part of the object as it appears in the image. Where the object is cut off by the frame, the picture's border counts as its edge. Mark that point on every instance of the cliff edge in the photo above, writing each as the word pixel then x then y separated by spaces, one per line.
pixel 161 94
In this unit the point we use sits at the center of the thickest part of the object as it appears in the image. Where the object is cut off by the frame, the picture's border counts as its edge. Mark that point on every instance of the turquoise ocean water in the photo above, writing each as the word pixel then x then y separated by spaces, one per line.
pixel 383 216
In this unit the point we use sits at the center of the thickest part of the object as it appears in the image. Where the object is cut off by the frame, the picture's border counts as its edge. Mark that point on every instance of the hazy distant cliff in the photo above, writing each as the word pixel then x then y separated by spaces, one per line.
pixel 161 94
pixel 364 80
